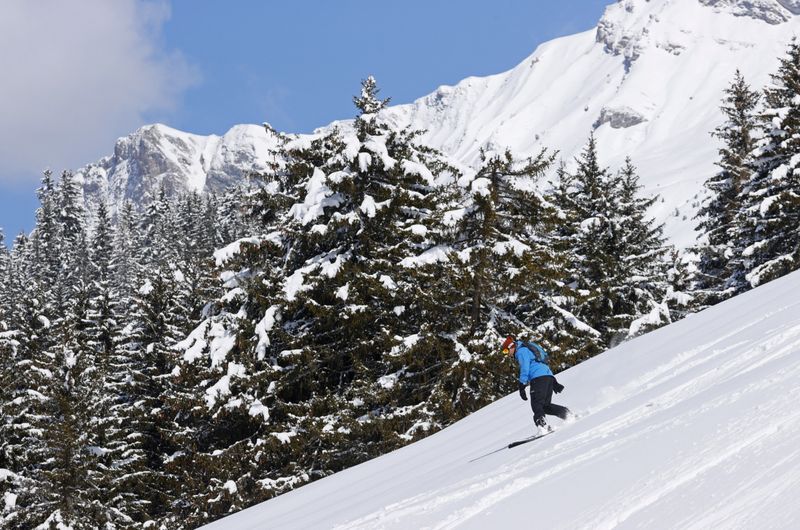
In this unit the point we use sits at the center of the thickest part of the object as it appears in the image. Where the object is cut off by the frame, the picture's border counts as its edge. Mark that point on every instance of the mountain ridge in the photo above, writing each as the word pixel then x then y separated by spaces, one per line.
pixel 647 81
pixel 157 155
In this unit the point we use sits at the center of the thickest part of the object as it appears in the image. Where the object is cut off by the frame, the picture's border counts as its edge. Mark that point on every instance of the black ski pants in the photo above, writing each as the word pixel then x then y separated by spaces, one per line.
pixel 541 396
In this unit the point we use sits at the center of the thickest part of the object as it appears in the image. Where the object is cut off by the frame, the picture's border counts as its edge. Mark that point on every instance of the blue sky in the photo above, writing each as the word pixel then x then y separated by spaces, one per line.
pixel 204 66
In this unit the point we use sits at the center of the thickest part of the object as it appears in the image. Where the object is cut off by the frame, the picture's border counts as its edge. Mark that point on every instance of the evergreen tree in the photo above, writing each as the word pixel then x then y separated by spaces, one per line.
pixel 145 359
pixel 232 223
pixel 718 214
pixel 32 272
pixel 103 327
pixel 502 276
pixel 9 343
pixel 587 203
pixel 5 258
pixel 316 303
pixel 5 295
pixel 681 298
pixel 102 317
pixel 766 225
pixel 60 385
pixel 45 253
pixel 127 257
pixel 640 285
pixel 617 272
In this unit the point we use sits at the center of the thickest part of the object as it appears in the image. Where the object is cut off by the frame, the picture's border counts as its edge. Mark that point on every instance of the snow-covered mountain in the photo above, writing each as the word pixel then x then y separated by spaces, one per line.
pixel 694 425
pixel 157 155
pixel 648 80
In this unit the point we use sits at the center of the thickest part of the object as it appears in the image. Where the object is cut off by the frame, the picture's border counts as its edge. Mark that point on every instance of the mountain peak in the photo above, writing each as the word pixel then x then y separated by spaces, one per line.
pixel 770 11
pixel 157 155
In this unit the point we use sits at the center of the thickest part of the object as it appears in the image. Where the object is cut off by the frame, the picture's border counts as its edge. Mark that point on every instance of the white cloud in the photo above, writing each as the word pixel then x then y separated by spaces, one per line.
pixel 74 76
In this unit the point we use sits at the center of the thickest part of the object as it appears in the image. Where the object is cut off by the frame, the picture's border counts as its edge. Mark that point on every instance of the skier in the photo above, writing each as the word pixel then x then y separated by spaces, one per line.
pixel 533 369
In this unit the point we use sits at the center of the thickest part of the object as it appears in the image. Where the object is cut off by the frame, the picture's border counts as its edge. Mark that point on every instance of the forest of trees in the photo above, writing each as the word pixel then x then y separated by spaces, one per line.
pixel 165 365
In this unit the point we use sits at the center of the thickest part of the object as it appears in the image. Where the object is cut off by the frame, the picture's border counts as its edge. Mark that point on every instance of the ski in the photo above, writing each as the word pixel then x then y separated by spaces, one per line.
pixel 526 440
pixel 513 444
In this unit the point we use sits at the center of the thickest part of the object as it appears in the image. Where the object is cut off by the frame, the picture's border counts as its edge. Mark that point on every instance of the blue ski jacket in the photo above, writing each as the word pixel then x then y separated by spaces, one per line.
pixel 529 368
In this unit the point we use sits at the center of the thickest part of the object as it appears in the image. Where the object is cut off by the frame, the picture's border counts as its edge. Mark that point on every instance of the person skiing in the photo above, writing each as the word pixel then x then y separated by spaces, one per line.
pixel 533 370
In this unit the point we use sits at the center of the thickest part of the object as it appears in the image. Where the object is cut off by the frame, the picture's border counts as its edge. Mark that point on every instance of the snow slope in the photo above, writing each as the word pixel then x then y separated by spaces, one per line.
pixel 695 425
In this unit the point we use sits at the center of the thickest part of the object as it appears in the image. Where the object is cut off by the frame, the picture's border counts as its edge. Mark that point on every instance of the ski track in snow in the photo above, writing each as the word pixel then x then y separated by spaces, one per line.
pixel 616 512
pixel 513 480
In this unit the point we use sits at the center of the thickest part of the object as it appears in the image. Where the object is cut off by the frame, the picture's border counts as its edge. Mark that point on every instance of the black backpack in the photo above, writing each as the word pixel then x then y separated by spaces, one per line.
pixel 538 352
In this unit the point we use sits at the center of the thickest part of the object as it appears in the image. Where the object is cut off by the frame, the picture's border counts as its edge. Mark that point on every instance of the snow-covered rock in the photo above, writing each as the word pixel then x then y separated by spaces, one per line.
pixel 770 11
pixel 157 155
pixel 619 117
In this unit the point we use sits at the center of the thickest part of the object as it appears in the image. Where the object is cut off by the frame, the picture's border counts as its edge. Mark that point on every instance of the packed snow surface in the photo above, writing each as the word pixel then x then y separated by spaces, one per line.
pixel 695 425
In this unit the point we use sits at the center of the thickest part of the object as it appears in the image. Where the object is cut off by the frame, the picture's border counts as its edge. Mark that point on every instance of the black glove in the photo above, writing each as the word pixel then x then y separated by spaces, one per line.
pixel 522 392
pixel 557 387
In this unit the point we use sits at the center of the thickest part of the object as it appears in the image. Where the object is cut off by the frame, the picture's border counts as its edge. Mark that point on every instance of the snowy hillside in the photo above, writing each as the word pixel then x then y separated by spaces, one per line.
pixel 695 425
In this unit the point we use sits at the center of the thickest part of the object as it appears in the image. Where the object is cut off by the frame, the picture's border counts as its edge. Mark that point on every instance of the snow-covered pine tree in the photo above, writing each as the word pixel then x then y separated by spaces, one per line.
pixel 586 342
pixel 5 258
pixel 297 356
pixel 102 317
pixel 103 321
pixel 605 224
pixel 13 427
pixel 60 463
pixel 5 267
pixel 196 239
pixel 585 203
pixel 82 441
pixel 766 227
pixel 232 222
pixel 127 256
pixel 495 273
pixel 33 270
pixel 226 375
pixel 639 288
pixel 154 324
pixel 681 298
pixel 717 251
pixel 361 285
pixel 45 252
pixel 118 264
pixel 158 228
pixel 191 433
pixel 8 386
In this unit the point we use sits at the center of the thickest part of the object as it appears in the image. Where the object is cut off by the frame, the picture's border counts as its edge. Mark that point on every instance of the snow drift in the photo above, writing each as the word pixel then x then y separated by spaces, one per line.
pixel 695 425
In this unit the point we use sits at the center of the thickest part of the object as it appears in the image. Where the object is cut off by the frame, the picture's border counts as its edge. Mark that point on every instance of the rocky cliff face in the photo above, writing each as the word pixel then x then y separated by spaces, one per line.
pixel 770 11
pixel 157 155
